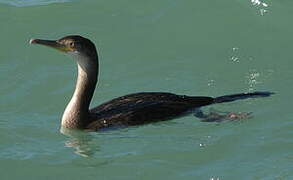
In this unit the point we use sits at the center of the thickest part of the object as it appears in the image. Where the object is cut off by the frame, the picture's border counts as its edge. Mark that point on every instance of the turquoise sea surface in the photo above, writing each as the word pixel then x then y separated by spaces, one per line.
pixel 203 47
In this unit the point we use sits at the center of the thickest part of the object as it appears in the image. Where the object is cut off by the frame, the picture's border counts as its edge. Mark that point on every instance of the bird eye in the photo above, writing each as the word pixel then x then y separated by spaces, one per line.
pixel 71 44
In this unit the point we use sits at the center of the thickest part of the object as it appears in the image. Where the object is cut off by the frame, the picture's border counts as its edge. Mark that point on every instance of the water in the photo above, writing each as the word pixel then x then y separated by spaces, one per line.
pixel 186 47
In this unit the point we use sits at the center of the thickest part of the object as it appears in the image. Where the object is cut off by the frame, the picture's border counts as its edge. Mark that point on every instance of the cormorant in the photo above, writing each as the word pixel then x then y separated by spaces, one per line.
pixel 132 109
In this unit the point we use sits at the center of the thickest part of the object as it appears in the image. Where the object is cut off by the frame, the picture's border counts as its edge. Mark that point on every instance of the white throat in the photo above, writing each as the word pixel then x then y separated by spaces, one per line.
pixel 76 114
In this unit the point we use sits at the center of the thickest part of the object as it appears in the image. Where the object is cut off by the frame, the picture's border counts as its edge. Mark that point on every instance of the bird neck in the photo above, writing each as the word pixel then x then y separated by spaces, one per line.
pixel 76 114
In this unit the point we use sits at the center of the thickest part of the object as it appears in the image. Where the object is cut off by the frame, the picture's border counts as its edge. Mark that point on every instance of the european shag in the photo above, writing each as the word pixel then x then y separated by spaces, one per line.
pixel 132 109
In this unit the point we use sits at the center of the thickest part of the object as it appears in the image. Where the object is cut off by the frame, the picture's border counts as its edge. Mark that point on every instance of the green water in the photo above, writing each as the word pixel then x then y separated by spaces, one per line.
pixel 187 47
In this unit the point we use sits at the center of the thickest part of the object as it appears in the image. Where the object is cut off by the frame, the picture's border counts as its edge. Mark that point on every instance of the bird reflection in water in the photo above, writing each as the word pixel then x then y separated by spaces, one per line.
pixel 81 141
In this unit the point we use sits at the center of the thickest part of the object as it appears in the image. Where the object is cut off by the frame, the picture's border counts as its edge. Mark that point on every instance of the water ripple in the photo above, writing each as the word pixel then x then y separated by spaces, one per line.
pixel 24 3
pixel 262 6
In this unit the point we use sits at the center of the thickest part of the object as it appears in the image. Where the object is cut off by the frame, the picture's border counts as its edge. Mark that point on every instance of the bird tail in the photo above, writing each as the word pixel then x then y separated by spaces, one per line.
pixel 234 97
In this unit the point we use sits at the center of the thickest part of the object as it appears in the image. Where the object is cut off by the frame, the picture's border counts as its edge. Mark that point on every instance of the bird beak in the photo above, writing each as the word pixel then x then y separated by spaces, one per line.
pixel 50 43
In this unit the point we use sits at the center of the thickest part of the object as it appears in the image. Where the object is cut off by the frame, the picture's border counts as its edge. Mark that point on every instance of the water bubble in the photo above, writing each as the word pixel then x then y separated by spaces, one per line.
pixel 263 11
pixel 211 82
pixel 235 55
pixel 201 144
pixel 235 59
pixel 253 77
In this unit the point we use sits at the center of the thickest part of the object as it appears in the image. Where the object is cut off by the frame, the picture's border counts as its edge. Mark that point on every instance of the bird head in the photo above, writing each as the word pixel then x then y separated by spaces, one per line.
pixel 74 45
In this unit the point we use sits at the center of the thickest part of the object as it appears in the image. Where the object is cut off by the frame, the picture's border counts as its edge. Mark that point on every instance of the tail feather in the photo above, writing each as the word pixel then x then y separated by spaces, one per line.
pixel 234 97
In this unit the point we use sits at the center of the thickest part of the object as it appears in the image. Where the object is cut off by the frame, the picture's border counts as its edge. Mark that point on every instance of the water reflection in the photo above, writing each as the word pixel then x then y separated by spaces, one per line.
pixel 80 141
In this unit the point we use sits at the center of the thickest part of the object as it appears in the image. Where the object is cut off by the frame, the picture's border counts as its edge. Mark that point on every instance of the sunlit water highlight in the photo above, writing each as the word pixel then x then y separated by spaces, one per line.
pixel 23 3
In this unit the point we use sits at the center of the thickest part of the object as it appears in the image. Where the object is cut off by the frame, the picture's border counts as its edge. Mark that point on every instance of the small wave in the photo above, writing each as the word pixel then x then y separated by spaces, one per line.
pixel 23 3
